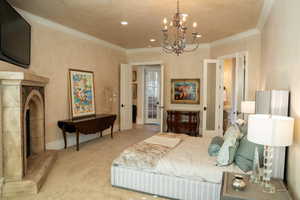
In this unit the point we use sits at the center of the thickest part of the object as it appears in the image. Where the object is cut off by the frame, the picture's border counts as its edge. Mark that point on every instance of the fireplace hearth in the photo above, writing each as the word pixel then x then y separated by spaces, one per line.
pixel 25 161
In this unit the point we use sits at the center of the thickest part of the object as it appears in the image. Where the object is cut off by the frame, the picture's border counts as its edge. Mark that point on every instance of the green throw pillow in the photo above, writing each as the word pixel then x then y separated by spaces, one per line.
pixel 215 145
pixel 245 154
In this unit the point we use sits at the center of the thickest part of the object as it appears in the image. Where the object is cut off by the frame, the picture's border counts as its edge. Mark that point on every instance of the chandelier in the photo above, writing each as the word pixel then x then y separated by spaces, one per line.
pixel 177 42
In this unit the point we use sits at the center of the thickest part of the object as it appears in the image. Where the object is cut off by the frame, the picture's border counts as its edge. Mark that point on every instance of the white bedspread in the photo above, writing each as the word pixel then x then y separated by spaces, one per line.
pixel 164 141
pixel 190 159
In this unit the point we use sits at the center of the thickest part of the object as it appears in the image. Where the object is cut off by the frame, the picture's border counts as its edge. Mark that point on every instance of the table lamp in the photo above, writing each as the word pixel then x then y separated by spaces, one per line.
pixel 247 107
pixel 270 131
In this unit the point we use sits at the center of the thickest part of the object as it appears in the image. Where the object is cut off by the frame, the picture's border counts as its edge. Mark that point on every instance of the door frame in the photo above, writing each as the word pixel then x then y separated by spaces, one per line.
pixel 162 86
pixel 222 58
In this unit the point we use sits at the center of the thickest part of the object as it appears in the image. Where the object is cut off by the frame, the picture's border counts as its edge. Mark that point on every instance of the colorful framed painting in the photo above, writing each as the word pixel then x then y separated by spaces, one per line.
pixel 185 91
pixel 82 93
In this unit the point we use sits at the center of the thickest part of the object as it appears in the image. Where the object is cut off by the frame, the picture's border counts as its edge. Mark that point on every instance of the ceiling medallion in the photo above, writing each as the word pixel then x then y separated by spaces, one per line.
pixel 177 42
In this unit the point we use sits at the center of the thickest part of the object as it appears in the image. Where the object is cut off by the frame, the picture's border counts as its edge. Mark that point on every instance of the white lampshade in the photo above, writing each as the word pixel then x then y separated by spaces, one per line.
pixel 270 130
pixel 248 107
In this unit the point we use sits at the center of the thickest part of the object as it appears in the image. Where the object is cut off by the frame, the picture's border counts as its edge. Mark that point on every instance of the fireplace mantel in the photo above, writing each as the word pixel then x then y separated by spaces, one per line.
pixel 24 78
pixel 20 92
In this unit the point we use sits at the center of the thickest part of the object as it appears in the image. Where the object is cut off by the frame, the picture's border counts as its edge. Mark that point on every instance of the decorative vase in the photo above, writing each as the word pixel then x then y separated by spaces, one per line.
pixel 238 183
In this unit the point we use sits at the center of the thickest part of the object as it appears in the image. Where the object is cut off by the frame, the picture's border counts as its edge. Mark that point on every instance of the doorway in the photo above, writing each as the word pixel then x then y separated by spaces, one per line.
pixel 234 70
pixel 224 85
pixel 141 101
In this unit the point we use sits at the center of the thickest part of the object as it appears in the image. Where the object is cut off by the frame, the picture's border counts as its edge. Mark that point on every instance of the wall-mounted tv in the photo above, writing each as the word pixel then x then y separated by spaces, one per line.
pixel 15 36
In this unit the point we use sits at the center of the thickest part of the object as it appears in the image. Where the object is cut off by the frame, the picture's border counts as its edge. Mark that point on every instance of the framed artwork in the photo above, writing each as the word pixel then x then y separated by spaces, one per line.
pixel 185 91
pixel 134 91
pixel 134 76
pixel 82 93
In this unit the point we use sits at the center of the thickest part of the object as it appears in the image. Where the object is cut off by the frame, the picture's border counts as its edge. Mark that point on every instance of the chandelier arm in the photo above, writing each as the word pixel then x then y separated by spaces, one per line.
pixel 193 49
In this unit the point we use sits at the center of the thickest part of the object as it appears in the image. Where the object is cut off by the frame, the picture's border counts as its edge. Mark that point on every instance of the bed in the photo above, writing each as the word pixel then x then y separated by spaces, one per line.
pixel 171 165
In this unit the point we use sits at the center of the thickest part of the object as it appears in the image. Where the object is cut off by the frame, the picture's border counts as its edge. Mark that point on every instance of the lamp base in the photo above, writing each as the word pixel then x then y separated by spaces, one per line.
pixel 269 188
pixel 268 158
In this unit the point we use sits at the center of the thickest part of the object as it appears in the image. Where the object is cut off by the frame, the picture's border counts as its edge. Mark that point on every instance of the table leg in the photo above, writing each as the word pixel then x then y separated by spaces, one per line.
pixel 100 133
pixel 77 140
pixel 112 131
pixel 65 138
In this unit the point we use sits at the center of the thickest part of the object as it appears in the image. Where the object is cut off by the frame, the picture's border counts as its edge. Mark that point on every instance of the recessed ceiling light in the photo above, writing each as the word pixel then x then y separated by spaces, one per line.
pixel 124 23
pixel 152 40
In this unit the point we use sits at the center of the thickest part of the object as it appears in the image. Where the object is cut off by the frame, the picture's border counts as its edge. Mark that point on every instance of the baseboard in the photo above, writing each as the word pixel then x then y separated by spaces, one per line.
pixel 71 139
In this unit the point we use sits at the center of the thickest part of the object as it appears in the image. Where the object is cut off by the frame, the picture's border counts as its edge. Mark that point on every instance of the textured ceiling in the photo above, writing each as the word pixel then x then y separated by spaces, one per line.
pixel 101 18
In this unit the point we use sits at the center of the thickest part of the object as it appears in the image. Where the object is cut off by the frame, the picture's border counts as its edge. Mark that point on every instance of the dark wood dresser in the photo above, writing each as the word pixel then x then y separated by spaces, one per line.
pixel 180 121
pixel 87 125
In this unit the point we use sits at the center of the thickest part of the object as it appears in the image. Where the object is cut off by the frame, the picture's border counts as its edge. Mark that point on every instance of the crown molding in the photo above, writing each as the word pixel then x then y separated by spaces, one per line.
pixel 157 49
pixel 235 37
pixel 65 29
pixel 265 12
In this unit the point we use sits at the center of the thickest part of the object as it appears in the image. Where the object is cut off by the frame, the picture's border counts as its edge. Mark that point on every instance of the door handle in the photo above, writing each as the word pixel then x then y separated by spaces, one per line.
pixel 204 108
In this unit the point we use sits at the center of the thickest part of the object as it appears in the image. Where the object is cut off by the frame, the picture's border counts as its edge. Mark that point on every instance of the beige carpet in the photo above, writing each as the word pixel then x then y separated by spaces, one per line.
pixel 85 175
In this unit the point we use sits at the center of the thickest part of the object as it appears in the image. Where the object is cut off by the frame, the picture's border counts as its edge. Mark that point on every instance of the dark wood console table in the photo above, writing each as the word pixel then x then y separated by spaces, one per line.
pixel 187 122
pixel 88 125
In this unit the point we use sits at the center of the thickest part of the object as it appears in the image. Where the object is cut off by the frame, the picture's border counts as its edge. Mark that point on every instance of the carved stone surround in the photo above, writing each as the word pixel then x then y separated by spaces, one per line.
pixel 22 91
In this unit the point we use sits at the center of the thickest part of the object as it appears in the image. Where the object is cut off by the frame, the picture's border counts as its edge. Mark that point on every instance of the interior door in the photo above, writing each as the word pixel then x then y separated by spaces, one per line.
pixel 239 84
pixel 210 98
pixel 161 106
pixel 152 95
pixel 125 97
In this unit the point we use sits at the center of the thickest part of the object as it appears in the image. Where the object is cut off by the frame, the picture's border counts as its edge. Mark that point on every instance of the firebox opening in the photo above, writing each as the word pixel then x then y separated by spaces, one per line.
pixel 28 139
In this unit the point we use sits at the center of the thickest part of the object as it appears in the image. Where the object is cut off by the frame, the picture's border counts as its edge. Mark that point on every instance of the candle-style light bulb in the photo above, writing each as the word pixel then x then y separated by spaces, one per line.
pixel 184 18
pixel 166 27
pixel 165 21
pixel 195 25
pixel 171 23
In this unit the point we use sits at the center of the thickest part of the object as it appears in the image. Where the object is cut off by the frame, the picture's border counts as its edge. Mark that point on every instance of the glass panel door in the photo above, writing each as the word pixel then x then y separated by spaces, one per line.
pixel 152 96
pixel 210 102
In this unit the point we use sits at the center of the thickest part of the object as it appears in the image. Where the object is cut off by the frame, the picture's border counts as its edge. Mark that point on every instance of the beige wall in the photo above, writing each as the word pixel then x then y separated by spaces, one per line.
pixel 281 70
pixel 188 66
pixel 252 45
pixel 53 53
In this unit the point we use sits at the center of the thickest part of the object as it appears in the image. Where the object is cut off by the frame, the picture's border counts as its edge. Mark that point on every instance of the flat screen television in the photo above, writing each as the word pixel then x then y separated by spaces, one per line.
pixel 15 36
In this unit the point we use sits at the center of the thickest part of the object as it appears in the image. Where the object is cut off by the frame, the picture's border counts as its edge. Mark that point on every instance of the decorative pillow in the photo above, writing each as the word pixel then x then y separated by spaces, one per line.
pixel 245 154
pixel 242 125
pixel 233 132
pixel 231 142
pixel 215 146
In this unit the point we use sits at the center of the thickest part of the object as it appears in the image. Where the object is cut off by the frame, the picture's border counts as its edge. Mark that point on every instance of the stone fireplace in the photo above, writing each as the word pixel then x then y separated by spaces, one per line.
pixel 25 161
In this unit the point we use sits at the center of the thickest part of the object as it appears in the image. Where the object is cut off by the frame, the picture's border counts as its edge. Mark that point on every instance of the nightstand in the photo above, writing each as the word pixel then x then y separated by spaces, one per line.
pixel 252 191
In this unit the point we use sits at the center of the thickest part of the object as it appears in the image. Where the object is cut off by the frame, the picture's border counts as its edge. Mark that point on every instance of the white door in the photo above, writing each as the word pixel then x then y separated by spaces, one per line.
pixel 210 104
pixel 152 95
pixel 161 106
pixel 125 97
pixel 239 84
